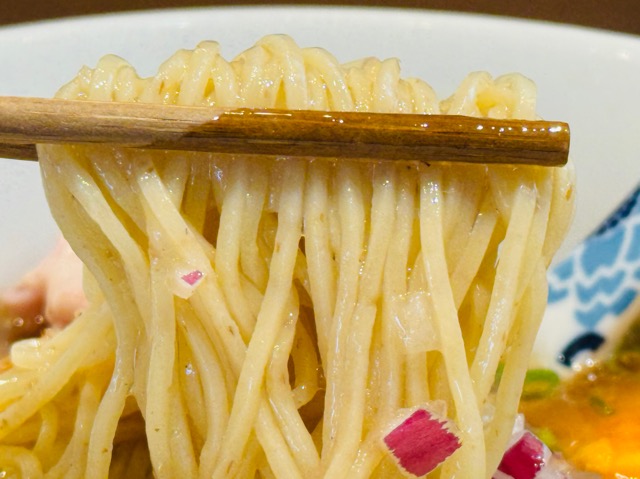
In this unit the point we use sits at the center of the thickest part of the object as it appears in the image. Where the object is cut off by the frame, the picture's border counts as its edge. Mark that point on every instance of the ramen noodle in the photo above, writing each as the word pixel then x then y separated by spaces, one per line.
pixel 276 317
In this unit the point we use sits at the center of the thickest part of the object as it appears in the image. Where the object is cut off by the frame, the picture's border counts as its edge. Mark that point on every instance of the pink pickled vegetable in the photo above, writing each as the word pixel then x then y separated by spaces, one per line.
pixel 524 459
pixel 421 442
pixel 193 277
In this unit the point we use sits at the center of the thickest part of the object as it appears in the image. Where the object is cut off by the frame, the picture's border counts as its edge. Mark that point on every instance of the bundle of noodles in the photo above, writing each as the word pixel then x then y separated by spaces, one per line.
pixel 274 317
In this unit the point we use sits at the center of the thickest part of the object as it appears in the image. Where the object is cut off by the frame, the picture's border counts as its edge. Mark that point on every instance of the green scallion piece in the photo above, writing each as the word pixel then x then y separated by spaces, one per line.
pixel 539 383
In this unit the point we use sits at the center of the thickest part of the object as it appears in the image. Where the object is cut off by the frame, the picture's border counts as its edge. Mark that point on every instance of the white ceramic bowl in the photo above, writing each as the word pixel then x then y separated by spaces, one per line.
pixel 586 77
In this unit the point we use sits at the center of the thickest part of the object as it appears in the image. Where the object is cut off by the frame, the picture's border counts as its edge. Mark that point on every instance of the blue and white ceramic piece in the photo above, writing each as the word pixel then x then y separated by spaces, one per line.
pixel 591 291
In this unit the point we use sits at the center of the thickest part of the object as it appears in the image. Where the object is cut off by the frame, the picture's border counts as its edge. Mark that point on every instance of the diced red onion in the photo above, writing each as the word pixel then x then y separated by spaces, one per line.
pixel 525 458
pixel 193 277
pixel 421 442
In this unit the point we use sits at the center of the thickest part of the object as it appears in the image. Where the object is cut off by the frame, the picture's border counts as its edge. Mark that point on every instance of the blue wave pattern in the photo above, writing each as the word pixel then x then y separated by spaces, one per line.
pixel 599 280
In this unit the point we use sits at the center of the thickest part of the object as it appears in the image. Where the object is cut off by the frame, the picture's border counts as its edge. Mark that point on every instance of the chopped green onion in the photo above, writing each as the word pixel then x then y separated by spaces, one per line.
pixel 601 406
pixel 498 375
pixel 539 383
pixel 547 436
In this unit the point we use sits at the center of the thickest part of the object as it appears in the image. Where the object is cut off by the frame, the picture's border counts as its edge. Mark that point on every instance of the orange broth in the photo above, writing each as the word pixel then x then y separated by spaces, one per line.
pixel 593 420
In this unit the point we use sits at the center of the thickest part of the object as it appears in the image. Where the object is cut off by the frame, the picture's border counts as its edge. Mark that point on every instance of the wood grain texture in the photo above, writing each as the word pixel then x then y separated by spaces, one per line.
pixel 302 133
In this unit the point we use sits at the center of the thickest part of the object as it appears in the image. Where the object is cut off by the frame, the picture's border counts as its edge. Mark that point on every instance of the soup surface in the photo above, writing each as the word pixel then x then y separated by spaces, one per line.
pixel 594 419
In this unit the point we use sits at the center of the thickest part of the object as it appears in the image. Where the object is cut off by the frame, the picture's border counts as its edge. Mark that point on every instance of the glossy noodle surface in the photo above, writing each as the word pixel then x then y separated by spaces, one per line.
pixel 272 317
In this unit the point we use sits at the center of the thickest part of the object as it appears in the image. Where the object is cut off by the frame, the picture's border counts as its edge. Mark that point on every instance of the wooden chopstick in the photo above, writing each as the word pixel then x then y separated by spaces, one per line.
pixel 408 137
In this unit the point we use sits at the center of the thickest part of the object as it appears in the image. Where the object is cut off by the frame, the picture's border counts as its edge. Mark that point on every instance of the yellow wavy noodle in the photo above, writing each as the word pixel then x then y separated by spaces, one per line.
pixel 332 294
